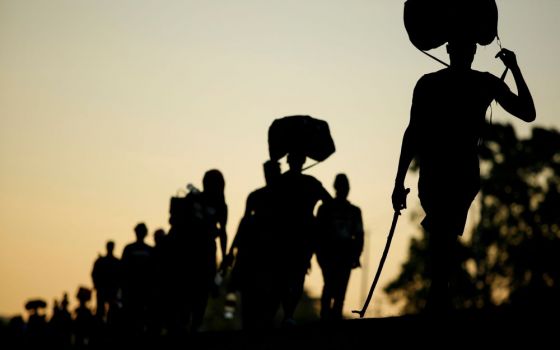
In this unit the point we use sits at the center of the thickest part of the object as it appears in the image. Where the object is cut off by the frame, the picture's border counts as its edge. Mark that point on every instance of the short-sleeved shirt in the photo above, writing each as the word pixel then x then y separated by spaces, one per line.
pixel 295 196
pixel 447 119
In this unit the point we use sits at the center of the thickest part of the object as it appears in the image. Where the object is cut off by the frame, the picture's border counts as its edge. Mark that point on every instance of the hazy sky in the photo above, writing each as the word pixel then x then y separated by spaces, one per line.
pixel 107 108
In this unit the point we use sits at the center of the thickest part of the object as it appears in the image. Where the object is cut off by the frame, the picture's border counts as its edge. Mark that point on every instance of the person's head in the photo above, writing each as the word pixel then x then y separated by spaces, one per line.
pixel 141 232
pixel 296 161
pixel 214 184
pixel 110 247
pixel 159 236
pixel 65 302
pixel 271 171
pixel 83 295
pixel 342 186
pixel 461 53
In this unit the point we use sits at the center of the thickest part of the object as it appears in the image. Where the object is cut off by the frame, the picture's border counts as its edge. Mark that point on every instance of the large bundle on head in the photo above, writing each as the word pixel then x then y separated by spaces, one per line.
pixel 431 23
pixel 84 294
pixel 300 133
pixel 35 304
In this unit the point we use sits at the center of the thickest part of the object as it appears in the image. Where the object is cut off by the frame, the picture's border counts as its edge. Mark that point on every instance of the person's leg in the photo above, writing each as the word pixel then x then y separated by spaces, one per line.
pixel 201 289
pixel 293 294
pixel 250 308
pixel 340 285
pixel 199 308
pixel 441 248
pixel 326 296
pixel 100 307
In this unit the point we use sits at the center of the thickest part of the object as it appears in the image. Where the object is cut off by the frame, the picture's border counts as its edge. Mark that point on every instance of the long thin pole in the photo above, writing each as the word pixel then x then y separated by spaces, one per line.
pixel 365 271
pixel 378 273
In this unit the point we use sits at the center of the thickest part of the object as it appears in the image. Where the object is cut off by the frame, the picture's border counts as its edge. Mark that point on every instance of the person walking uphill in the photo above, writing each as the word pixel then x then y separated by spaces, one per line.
pixel 446 121
pixel 106 276
pixel 200 221
pixel 251 250
pixel 137 277
pixel 295 196
pixel 340 240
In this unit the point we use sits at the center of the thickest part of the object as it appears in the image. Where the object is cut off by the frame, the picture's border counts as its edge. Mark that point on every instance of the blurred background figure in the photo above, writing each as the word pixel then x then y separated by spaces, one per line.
pixel 106 276
pixel 294 225
pixel 339 246
pixel 160 303
pixel 197 220
pixel 60 324
pixel 84 321
pixel 36 331
pixel 137 265
pixel 250 249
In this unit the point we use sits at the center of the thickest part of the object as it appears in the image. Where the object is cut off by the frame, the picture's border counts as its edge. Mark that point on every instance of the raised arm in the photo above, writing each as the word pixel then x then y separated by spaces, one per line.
pixel 520 105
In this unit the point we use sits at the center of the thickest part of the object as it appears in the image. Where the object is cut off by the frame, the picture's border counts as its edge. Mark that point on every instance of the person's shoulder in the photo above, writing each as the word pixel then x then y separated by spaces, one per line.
pixel 147 247
pixel 258 193
pixel 310 178
pixel 98 263
pixel 127 248
pixel 314 182
pixel 430 79
pixel 326 206
pixel 290 178
pixel 484 75
pixel 433 75
pixel 356 210
pixel 354 207
pixel 490 80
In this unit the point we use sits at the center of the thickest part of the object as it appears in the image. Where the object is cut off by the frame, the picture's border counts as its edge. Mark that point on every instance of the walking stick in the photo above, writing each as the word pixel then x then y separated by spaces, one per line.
pixel 383 257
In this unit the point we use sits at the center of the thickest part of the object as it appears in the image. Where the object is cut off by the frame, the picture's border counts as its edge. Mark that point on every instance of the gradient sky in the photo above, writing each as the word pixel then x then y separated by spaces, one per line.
pixel 107 108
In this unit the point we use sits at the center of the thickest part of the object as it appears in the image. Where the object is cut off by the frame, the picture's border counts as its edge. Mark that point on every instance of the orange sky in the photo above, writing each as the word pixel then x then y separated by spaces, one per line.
pixel 107 108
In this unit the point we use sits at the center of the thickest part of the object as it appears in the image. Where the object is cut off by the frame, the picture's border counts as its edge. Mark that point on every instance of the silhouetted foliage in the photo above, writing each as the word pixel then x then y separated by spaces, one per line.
pixel 511 257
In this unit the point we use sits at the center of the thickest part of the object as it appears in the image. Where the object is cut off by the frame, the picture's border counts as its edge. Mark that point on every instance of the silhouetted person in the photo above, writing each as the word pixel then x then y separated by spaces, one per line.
pixel 196 222
pixel 160 301
pixel 208 225
pixel 60 324
pixel 446 121
pixel 339 246
pixel 106 276
pixel 137 267
pixel 159 238
pixel 84 321
pixel 296 196
pixel 16 333
pixel 251 275
pixel 36 330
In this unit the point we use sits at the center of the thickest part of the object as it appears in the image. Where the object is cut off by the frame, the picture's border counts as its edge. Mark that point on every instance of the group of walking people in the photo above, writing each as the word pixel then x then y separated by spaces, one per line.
pixel 167 287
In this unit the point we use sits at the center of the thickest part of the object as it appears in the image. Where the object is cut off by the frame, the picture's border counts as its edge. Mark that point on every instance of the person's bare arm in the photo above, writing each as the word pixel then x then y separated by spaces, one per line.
pixel 520 105
pixel 408 147
pixel 399 192
pixel 407 154
pixel 222 233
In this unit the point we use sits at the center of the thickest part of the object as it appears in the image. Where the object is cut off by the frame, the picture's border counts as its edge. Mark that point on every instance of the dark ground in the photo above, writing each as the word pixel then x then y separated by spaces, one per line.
pixel 476 330
pixel 455 332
